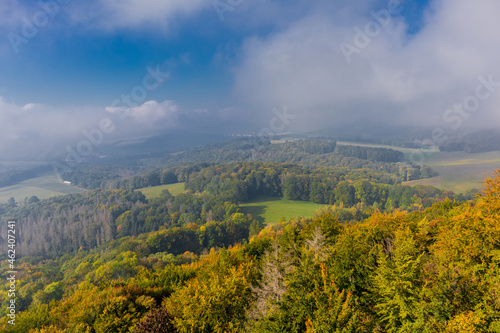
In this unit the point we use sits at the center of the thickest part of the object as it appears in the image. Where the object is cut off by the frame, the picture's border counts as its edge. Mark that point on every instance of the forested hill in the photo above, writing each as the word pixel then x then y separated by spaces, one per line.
pixel 307 151
pixel 311 154
pixel 436 270
pixel 478 142
pixel 67 224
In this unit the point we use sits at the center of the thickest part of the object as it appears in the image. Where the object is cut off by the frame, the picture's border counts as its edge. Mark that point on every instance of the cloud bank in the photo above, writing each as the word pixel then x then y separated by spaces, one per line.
pixel 40 130
pixel 392 78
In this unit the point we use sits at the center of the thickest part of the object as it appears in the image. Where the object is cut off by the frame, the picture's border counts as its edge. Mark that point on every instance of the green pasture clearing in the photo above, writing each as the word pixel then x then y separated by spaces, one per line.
pixel 43 187
pixel 155 191
pixel 459 171
pixel 270 209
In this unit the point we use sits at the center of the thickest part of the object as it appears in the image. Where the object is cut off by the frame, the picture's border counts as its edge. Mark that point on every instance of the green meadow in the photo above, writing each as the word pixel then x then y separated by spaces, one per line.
pixel 265 209
pixel 155 191
pixel 270 209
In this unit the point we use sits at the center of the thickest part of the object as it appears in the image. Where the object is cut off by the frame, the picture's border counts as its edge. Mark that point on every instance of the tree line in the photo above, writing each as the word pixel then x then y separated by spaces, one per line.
pixel 478 142
pixel 71 223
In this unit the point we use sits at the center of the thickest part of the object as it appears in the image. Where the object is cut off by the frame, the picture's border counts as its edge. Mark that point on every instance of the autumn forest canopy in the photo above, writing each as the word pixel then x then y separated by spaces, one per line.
pixel 378 256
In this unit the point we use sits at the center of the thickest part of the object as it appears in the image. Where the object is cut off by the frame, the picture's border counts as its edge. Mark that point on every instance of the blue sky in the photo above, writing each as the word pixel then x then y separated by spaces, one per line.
pixel 70 63
pixel 230 74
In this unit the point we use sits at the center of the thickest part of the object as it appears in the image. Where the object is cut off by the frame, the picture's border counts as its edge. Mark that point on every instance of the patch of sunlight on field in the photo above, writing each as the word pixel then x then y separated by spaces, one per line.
pixel 270 209
pixel 155 191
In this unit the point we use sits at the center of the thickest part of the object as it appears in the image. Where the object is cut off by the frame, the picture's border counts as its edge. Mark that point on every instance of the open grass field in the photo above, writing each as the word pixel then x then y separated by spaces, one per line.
pixel 406 151
pixel 155 191
pixel 270 209
pixel 43 187
pixel 459 171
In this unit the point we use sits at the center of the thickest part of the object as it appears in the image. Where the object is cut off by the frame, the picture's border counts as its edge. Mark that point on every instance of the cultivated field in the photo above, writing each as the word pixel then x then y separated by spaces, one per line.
pixel 155 191
pixel 406 151
pixel 459 171
pixel 270 209
pixel 42 187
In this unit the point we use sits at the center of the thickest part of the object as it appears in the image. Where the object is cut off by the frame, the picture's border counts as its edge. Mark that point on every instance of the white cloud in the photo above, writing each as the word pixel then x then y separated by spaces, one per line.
pixel 396 78
pixel 149 115
pixel 38 130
